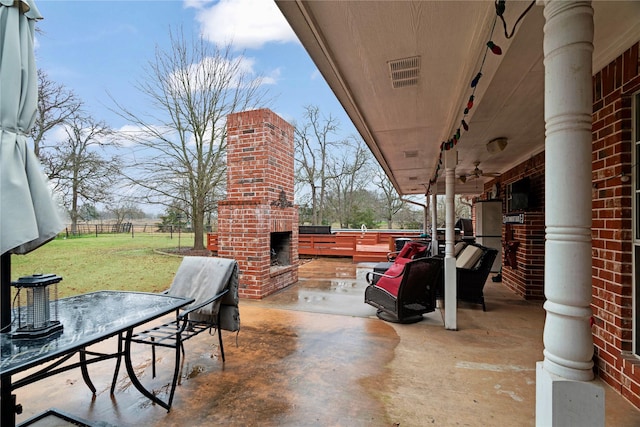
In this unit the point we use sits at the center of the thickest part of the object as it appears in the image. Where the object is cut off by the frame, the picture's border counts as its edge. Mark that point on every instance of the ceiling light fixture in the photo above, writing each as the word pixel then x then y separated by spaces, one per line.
pixel 496 145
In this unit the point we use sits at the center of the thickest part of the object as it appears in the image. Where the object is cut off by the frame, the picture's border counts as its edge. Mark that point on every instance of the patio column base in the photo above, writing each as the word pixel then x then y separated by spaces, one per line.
pixel 564 402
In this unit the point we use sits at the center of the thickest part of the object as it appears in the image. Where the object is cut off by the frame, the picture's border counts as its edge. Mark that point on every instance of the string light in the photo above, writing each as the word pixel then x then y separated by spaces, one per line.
pixel 470 103
pixel 475 80
pixel 455 139
pixel 494 48
pixel 500 6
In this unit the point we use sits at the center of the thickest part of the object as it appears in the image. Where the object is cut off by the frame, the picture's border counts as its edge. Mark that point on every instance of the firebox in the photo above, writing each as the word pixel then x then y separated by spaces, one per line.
pixel 280 248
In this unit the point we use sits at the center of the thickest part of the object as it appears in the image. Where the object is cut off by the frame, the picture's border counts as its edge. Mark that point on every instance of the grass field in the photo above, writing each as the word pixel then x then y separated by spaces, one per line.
pixel 108 261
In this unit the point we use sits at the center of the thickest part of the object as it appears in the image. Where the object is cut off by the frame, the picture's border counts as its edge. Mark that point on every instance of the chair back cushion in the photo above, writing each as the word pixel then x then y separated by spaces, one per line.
pixel 458 248
pixel 202 278
pixel 411 250
pixel 469 257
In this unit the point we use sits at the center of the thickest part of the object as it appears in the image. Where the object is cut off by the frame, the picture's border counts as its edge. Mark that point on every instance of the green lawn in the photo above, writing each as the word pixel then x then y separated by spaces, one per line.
pixel 108 261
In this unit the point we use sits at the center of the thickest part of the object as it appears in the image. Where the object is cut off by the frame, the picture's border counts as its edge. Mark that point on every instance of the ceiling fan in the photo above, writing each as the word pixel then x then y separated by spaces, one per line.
pixel 476 173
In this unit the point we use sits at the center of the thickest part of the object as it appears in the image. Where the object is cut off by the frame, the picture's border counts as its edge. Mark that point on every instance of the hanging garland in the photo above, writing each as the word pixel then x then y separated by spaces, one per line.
pixel 453 141
pixel 500 6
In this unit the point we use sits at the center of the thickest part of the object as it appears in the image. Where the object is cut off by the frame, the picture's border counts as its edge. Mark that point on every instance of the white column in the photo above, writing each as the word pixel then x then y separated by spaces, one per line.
pixel 425 216
pixel 564 393
pixel 434 224
pixel 450 284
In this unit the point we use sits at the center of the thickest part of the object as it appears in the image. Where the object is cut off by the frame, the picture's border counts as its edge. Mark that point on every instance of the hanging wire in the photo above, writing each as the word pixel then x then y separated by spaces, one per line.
pixel 13 303
pixel 500 8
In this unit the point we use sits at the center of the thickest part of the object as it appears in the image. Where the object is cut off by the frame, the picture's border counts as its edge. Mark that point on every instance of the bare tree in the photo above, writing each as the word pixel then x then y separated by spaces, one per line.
pixel 461 206
pixel 409 217
pixel 80 172
pixel 349 178
pixel 123 210
pixel 181 142
pixel 313 146
pixel 391 202
pixel 56 105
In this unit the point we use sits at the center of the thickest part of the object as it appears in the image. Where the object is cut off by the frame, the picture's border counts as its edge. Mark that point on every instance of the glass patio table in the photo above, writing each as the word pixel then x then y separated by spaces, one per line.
pixel 87 319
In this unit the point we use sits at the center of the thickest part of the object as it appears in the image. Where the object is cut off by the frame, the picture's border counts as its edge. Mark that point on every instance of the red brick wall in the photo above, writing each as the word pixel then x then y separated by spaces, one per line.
pixel 260 174
pixel 613 88
pixel 260 150
pixel 526 278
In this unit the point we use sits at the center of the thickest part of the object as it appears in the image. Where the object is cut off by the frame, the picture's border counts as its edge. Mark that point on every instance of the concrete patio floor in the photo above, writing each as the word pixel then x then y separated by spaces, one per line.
pixel 315 355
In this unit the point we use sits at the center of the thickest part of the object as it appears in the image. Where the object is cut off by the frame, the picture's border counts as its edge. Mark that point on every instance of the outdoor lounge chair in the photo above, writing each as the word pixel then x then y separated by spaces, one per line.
pixel 473 265
pixel 411 250
pixel 405 291
pixel 213 283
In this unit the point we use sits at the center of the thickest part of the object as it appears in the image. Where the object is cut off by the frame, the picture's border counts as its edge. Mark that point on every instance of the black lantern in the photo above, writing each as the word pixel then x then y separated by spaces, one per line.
pixel 36 319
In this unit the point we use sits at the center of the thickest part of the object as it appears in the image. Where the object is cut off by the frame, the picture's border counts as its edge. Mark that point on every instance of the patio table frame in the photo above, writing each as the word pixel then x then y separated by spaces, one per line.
pixel 87 319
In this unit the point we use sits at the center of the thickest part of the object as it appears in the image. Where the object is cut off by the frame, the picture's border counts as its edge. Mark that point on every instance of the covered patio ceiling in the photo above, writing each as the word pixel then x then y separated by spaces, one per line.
pixel 354 43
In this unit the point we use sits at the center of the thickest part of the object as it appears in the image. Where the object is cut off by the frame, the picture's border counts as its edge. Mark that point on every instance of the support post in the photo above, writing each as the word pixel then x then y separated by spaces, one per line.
pixel 425 217
pixel 450 283
pixel 434 224
pixel 7 399
pixel 565 393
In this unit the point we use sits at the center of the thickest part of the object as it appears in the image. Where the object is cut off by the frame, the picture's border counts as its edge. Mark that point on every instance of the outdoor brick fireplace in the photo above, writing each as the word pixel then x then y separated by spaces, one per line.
pixel 257 223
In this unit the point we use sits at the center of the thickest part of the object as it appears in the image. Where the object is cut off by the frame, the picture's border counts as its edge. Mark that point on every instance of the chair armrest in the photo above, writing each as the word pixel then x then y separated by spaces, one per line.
pixel 369 277
pixel 371 274
pixel 185 313
pixel 391 256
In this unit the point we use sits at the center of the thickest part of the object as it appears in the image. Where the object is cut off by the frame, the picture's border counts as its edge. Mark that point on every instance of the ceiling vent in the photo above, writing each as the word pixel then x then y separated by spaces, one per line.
pixel 410 154
pixel 404 72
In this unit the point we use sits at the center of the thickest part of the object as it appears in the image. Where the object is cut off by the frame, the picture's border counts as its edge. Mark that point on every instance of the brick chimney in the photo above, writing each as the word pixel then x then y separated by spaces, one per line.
pixel 258 223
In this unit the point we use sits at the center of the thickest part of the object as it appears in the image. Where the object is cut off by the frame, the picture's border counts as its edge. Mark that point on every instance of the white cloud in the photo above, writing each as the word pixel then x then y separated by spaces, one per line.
pixel 315 75
pixel 243 23
pixel 272 78
pixel 128 134
pixel 196 4
pixel 57 134
pixel 205 74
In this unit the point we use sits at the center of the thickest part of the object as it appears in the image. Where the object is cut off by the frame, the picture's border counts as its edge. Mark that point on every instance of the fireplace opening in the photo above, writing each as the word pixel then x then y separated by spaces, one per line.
pixel 280 248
